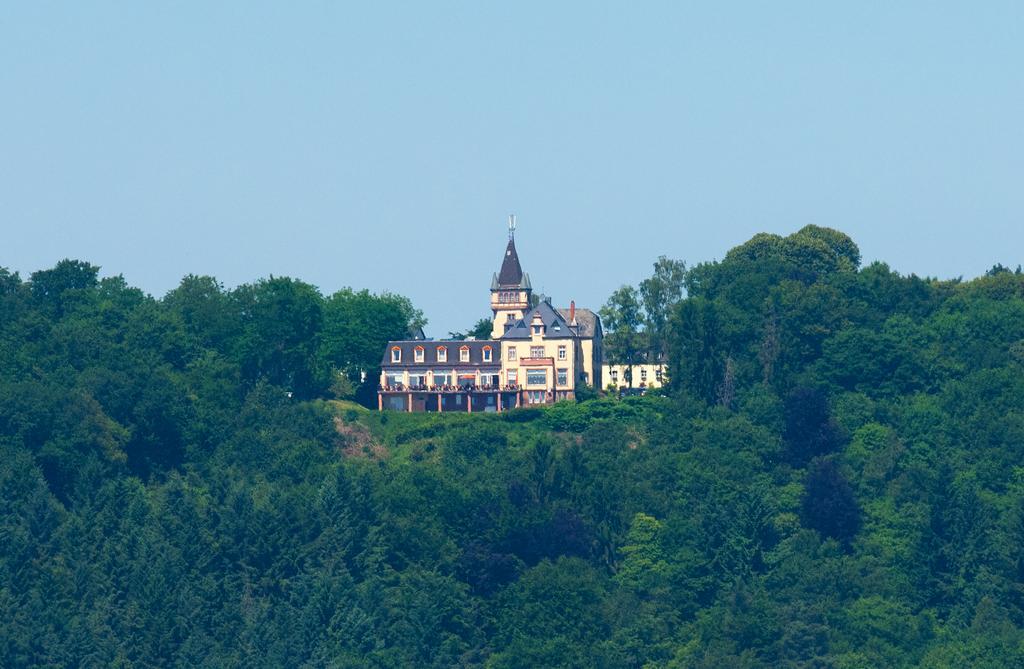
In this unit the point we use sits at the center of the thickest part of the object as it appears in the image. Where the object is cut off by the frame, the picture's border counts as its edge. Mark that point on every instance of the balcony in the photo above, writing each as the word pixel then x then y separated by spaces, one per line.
pixel 473 388
pixel 448 398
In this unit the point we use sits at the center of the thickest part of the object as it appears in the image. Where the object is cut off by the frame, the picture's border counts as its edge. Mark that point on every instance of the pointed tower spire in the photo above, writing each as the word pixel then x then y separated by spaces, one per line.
pixel 511 273
pixel 510 287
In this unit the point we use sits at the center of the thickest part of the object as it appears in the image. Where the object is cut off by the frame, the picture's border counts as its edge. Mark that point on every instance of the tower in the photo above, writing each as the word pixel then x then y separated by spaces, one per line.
pixel 510 288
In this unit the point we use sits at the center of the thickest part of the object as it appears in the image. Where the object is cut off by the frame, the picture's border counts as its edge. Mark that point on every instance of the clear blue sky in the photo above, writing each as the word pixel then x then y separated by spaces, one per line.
pixel 382 145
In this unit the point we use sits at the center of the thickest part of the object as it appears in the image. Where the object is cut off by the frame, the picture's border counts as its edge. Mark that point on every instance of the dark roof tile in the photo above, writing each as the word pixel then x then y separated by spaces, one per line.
pixel 476 355
pixel 588 321
pixel 511 273
pixel 555 326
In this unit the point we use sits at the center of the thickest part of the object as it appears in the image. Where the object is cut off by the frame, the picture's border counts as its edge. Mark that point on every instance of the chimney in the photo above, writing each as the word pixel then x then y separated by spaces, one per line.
pixel 572 313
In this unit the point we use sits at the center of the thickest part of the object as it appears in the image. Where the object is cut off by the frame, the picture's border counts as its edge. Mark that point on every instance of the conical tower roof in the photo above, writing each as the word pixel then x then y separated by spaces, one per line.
pixel 511 273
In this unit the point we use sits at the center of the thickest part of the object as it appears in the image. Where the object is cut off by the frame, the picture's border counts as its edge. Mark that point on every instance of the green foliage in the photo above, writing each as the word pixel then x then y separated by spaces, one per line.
pixel 481 330
pixel 644 568
pixel 636 320
pixel 356 328
pixel 829 505
pixel 835 480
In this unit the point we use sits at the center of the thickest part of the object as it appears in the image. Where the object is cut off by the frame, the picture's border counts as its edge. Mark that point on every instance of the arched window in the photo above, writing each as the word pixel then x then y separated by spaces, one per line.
pixel 442 354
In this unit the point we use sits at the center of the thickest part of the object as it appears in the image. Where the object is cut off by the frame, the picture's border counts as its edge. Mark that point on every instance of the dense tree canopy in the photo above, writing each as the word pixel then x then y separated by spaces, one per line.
pixel 179 488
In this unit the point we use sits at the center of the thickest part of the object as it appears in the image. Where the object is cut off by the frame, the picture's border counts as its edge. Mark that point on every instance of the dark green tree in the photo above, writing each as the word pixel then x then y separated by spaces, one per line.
pixel 828 503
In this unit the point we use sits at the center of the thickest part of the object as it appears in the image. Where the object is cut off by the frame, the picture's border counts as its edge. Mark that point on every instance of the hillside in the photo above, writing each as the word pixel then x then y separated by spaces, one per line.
pixel 834 479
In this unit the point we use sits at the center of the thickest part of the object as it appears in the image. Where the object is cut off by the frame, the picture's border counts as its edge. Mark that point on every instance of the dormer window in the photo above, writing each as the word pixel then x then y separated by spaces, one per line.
pixel 396 354
pixel 442 354
pixel 417 354
pixel 487 353
pixel 464 354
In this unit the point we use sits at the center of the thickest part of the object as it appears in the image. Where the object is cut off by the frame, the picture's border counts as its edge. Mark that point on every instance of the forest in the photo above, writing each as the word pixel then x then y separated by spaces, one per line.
pixel 834 477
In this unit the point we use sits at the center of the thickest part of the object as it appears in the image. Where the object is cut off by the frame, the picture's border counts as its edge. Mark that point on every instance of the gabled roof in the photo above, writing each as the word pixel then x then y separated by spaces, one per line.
pixel 589 323
pixel 555 326
pixel 511 274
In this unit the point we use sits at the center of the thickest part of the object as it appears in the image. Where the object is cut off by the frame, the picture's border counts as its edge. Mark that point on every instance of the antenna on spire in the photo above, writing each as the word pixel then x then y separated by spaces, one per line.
pixel 511 226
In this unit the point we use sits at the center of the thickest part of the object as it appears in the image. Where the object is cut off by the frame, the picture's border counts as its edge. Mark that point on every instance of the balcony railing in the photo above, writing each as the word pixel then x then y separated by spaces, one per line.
pixel 465 388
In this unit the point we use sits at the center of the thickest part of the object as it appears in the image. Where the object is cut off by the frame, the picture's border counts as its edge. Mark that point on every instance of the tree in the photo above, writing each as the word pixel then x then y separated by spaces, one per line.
pixel 481 330
pixel 840 246
pixel 659 294
pixel 357 327
pixel 697 365
pixel 643 566
pixel 9 282
pixel 828 503
pixel 282 320
pixel 60 287
pixel 623 317
pixel 810 429
pixel 207 310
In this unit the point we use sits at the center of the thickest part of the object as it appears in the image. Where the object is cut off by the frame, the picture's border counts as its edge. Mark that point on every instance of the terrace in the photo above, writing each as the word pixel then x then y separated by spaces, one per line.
pixel 467 398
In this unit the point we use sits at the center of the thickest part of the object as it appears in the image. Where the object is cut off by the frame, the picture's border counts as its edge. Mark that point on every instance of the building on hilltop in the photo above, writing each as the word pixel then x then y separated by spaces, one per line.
pixel 537 354
pixel 643 375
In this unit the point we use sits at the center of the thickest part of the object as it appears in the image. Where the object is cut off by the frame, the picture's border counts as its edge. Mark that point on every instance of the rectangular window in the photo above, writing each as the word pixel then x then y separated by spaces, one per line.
pixel 561 353
pixel 464 355
pixel 563 377
pixel 536 351
pixel 417 380
pixel 513 376
pixel 536 377
pixel 396 354
pixel 643 374
pixel 657 374
pixel 395 379
pixel 614 374
pixel 511 353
